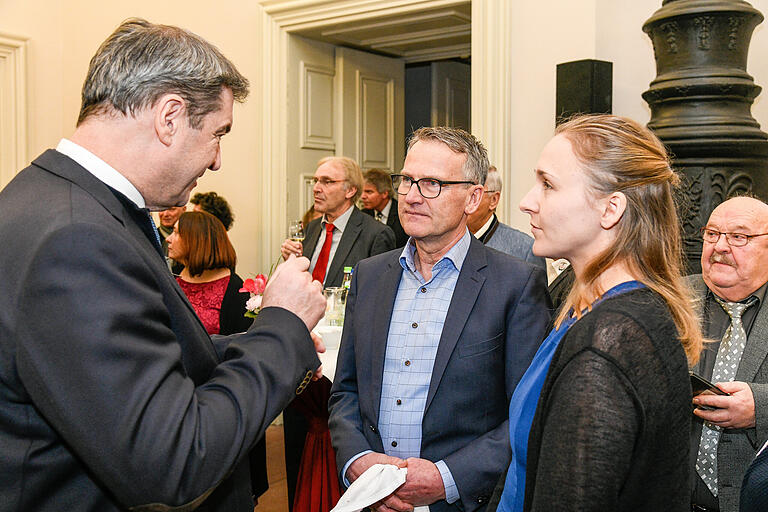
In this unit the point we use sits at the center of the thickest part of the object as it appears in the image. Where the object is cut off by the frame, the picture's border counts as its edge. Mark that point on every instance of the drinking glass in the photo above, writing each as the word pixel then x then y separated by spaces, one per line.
pixel 296 231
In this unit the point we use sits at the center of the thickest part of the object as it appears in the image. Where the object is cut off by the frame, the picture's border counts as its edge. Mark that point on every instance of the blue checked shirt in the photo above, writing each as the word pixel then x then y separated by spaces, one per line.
pixel 414 335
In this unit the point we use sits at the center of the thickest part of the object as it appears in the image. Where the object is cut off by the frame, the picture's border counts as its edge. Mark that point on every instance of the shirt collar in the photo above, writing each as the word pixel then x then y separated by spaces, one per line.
pixel 455 255
pixel 386 209
pixel 480 232
pixel 101 170
pixel 341 221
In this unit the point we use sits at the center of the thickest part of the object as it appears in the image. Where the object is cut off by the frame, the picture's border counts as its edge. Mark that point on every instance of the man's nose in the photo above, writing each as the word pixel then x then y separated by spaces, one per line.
pixel 217 161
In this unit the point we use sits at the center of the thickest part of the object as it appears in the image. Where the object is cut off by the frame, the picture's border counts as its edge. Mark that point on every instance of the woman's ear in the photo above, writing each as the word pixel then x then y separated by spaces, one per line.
pixel 613 208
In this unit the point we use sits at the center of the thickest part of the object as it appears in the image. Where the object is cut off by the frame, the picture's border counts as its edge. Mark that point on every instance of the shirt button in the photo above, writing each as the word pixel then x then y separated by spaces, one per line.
pixel 423 290
pixel 394 443
pixel 407 363
pixel 414 325
pixel 398 402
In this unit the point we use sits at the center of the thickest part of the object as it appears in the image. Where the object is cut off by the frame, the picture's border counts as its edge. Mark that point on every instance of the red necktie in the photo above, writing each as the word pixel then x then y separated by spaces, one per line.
pixel 318 274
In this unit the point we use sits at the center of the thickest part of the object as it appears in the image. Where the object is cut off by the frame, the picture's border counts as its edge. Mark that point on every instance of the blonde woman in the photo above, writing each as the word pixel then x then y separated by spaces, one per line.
pixel 601 419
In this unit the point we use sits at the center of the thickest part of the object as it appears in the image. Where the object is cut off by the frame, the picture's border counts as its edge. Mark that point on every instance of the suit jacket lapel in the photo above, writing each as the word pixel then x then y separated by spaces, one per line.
pixel 348 239
pixel 385 299
pixel 756 349
pixel 63 166
pixel 465 294
pixel 313 235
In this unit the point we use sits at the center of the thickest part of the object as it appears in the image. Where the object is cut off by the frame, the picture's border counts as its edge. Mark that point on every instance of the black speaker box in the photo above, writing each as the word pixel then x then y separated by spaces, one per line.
pixel 583 86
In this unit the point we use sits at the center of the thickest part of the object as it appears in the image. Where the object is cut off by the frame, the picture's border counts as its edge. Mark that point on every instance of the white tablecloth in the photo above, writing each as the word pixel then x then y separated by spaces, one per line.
pixel 331 336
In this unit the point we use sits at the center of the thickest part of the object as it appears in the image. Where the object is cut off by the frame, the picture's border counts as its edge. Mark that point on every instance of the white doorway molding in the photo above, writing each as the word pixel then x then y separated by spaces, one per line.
pixel 491 78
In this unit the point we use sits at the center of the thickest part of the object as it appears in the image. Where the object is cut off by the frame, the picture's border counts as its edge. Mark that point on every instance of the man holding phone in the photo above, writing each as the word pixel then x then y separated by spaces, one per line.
pixel 731 292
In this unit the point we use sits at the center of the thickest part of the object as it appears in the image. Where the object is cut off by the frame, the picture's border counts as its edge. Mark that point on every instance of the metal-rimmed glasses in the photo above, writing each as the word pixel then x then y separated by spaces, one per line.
pixel 734 239
pixel 325 181
pixel 429 188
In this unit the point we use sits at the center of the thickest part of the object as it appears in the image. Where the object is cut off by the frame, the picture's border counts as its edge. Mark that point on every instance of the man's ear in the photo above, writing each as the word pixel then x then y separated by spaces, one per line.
pixel 350 193
pixel 169 113
pixel 613 208
pixel 473 199
pixel 493 199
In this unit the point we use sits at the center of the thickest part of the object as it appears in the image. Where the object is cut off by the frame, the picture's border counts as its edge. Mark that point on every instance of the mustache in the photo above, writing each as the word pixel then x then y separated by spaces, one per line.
pixel 721 258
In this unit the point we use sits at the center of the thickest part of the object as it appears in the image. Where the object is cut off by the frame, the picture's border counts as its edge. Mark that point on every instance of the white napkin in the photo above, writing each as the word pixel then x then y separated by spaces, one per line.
pixel 376 483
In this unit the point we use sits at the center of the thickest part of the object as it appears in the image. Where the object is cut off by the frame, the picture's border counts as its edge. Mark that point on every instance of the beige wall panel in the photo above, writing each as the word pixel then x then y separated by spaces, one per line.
pixel 13 106
pixel 377 114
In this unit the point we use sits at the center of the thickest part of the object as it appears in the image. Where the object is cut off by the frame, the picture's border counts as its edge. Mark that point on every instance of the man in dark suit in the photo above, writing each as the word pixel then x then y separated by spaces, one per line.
pixel 340 238
pixel 112 394
pixel 731 294
pixel 435 339
pixel 338 183
pixel 487 228
pixel 379 203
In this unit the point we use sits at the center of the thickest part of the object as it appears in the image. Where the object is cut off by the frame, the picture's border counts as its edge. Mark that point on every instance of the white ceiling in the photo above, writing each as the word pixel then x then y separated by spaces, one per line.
pixel 429 34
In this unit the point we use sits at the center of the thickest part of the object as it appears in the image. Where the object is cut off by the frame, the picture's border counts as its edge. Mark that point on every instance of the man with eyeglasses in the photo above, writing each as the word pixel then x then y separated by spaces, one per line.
pixel 487 228
pixel 435 339
pixel 343 235
pixel 731 291
pixel 340 238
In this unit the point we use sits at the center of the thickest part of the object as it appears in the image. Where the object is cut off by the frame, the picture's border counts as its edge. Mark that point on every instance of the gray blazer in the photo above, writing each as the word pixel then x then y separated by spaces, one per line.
pixel 363 237
pixel 511 241
pixel 737 448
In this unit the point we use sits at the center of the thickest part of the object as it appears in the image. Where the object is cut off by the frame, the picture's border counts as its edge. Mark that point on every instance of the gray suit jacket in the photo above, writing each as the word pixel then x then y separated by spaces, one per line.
pixel 363 237
pixel 511 241
pixel 496 319
pixel 737 448
pixel 112 394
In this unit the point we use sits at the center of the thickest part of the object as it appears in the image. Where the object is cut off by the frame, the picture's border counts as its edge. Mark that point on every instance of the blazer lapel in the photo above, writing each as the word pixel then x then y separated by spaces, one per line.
pixel 389 282
pixel 756 349
pixel 313 235
pixel 465 294
pixel 392 219
pixel 63 166
pixel 348 239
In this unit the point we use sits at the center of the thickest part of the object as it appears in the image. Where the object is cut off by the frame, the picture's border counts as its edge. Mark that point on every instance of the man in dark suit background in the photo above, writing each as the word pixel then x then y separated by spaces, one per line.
pixel 354 236
pixel 487 228
pixel 338 184
pixel 435 339
pixel 379 202
pixel 731 294
pixel 112 394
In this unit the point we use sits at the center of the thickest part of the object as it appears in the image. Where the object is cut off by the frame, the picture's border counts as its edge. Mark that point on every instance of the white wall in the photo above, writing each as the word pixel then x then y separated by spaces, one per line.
pixel 64 35
pixel 551 32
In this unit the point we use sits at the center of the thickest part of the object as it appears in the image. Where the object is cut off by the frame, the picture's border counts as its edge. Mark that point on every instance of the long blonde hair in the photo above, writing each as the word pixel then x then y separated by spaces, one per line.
pixel 620 155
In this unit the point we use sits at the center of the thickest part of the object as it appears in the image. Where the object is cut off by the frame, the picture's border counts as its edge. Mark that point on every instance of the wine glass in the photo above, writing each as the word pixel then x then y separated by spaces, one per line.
pixel 296 231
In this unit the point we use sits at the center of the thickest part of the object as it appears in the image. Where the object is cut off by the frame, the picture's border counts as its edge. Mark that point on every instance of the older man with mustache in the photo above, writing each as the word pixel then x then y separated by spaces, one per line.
pixel 728 430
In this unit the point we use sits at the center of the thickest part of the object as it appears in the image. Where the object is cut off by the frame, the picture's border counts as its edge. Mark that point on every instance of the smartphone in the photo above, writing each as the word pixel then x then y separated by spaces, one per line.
pixel 700 386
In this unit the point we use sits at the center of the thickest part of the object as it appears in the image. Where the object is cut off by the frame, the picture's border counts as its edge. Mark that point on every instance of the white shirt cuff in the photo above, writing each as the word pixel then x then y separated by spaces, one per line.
pixel 350 461
pixel 451 491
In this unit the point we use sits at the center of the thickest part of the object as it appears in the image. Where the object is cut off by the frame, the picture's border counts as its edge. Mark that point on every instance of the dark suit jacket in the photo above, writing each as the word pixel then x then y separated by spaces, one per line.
pixel 737 447
pixel 112 395
pixel 393 221
pixel 363 237
pixel 496 320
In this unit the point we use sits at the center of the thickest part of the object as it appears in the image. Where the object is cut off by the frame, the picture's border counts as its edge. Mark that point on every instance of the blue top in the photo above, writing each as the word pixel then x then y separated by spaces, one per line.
pixel 522 407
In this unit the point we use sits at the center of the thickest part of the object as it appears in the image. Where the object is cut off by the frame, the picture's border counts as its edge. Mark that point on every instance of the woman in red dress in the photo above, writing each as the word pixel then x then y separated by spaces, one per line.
pixel 200 242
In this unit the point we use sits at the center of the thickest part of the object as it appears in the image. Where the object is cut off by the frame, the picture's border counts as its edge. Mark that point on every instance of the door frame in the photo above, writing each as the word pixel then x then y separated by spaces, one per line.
pixel 491 79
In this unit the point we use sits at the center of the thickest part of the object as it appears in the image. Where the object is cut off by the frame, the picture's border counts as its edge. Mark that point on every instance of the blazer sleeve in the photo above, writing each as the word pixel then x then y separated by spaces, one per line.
pixel 344 420
pixel 477 465
pixel 100 360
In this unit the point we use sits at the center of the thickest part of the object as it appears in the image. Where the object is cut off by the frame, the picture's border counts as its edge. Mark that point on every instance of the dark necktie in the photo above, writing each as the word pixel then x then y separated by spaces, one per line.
pixel 150 230
pixel 379 216
pixel 318 274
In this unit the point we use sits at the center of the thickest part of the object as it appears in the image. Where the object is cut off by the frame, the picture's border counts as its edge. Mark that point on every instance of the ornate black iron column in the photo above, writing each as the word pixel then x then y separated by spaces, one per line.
pixel 701 105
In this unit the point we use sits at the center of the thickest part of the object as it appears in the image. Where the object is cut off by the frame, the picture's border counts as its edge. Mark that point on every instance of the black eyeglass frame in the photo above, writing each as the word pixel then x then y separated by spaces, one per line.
pixel 440 183
pixel 729 237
